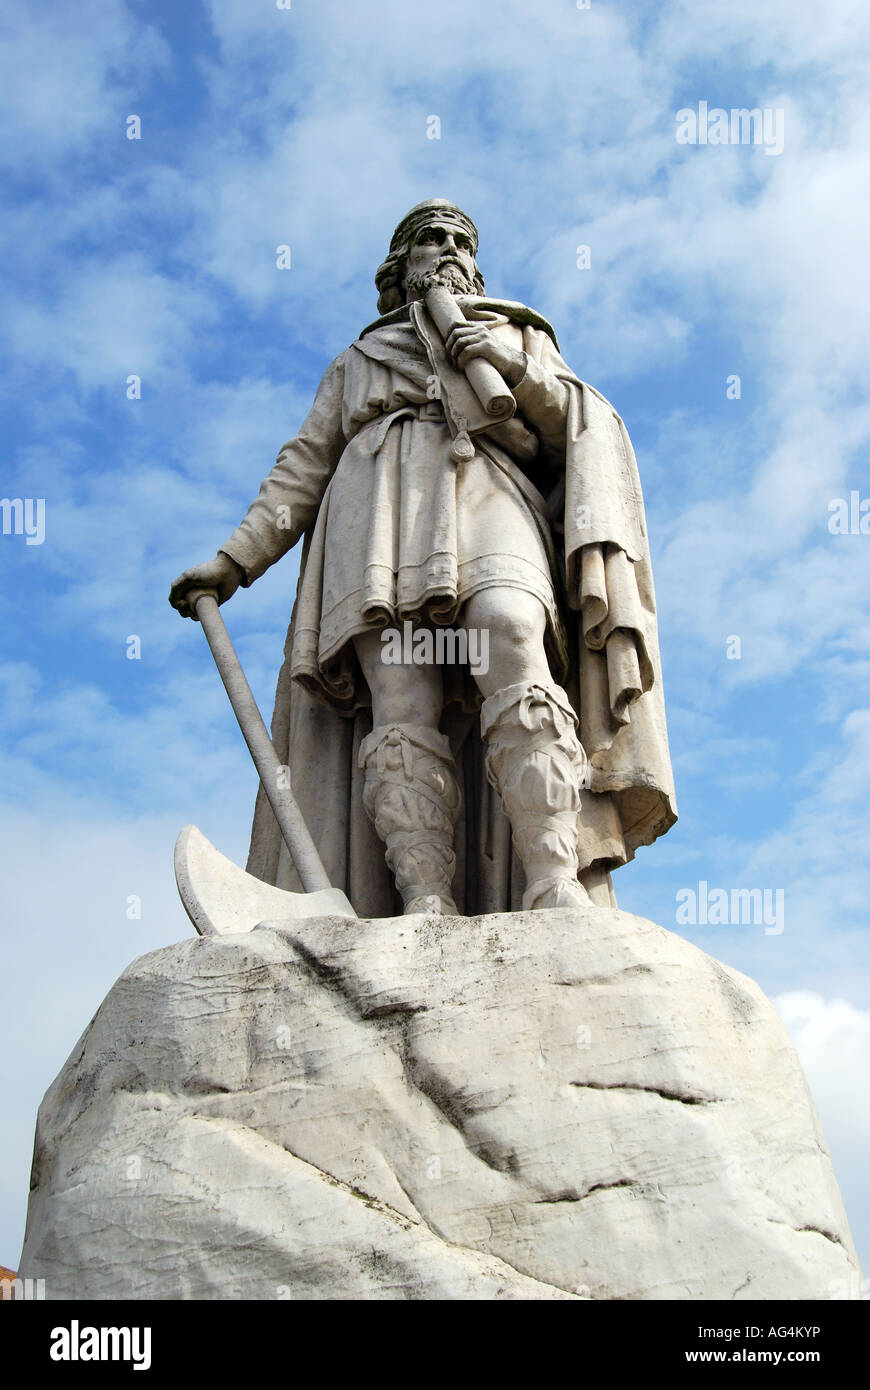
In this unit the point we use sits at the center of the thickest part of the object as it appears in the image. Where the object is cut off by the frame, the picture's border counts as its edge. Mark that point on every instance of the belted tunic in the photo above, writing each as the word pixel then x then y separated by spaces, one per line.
pixel 398 524
pixel 401 529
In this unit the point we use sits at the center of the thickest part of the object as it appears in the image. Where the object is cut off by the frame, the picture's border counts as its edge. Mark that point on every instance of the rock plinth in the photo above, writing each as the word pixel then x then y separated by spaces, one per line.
pixel 548 1105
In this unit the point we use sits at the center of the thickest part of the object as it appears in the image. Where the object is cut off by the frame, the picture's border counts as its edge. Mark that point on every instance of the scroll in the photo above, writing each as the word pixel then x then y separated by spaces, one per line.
pixel 486 383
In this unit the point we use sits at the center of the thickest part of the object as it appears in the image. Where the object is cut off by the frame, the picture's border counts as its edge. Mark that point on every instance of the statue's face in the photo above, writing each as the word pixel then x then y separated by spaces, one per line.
pixel 438 244
pixel 441 253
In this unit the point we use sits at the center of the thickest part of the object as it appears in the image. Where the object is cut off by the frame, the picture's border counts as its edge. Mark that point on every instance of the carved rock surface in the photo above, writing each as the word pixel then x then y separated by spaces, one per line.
pixel 546 1105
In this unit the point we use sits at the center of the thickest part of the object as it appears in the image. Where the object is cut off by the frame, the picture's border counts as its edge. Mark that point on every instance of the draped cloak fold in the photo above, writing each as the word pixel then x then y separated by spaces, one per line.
pixel 568 527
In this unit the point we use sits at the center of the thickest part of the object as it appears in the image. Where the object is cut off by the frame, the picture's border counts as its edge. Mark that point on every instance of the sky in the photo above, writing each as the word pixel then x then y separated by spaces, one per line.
pixel 720 303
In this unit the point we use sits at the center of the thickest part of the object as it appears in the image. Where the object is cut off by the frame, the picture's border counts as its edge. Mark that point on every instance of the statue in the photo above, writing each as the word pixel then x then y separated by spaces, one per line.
pixel 455 480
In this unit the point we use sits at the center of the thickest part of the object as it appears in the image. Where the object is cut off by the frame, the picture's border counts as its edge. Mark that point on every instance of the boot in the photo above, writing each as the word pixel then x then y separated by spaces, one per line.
pixel 537 765
pixel 412 796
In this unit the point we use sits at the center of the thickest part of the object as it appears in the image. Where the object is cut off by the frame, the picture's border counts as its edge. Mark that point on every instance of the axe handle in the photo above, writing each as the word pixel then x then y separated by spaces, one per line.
pixel 297 836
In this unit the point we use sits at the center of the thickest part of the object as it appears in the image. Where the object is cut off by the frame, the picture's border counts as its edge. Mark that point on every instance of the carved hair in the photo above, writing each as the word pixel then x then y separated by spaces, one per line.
pixel 390 278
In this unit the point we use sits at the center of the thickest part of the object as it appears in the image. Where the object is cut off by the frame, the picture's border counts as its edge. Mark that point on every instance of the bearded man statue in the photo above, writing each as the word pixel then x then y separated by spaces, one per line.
pixel 515 519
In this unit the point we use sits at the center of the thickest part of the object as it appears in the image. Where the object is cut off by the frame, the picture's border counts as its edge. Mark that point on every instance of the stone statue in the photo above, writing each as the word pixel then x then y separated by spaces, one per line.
pixel 455 480
pixel 471 712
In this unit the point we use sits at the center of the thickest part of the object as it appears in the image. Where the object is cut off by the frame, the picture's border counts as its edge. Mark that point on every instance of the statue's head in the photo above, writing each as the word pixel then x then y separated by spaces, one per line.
pixel 436 244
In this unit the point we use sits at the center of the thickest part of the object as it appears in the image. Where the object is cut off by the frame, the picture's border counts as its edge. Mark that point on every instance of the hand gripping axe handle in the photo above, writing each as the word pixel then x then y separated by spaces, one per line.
pixel 297 837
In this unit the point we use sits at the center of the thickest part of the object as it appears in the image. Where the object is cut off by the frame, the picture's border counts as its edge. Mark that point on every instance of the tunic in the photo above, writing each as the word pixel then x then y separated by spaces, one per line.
pixel 401 530
pixel 394 529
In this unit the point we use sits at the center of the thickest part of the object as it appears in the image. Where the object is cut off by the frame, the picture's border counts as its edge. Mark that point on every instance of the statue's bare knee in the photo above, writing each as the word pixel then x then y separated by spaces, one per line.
pixel 534 758
pixel 509 627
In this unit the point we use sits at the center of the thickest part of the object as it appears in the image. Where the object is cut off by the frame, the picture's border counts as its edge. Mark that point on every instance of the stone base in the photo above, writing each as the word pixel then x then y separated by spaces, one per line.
pixel 545 1105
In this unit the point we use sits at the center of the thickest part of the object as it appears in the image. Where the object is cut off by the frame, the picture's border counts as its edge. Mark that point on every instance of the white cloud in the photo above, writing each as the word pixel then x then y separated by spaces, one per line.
pixel 832 1039
pixel 113 318
pixel 812 846
pixel 69 78
pixel 796 35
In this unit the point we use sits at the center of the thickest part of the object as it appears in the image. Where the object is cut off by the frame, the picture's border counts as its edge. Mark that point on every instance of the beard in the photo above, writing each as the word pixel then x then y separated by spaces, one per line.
pixel 449 276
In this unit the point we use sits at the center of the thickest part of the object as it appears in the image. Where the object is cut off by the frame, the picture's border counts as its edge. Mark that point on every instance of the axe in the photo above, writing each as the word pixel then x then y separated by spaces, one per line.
pixel 194 854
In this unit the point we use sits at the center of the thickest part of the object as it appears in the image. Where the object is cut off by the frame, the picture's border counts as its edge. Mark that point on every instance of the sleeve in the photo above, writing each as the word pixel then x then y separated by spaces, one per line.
pixel 290 496
pixel 541 395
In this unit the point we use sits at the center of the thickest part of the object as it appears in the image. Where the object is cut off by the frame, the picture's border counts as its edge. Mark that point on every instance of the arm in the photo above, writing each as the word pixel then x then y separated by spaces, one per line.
pixel 289 497
pixel 534 377
pixel 285 506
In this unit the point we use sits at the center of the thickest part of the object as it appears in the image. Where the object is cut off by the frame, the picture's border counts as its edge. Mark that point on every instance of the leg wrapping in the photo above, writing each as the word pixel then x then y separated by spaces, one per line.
pixel 413 798
pixel 537 765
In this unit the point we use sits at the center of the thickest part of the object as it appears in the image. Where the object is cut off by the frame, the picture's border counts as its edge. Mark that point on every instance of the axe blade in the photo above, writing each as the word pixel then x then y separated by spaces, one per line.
pixel 221 899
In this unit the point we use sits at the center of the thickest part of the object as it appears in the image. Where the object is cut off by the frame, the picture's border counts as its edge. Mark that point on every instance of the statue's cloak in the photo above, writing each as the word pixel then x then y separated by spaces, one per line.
pixel 585 491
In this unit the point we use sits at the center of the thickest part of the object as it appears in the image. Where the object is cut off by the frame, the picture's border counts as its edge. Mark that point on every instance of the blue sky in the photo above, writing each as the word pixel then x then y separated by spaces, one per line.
pixel 157 257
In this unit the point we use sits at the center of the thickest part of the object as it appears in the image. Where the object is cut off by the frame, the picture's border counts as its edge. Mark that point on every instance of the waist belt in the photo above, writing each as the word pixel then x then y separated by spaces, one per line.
pixel 426 410
pixel 433 410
